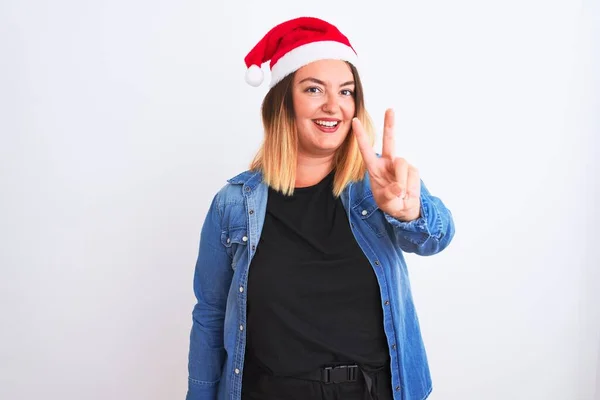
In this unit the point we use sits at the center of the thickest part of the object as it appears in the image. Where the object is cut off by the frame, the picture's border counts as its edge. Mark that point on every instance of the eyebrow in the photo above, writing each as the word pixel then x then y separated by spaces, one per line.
pixel 320 82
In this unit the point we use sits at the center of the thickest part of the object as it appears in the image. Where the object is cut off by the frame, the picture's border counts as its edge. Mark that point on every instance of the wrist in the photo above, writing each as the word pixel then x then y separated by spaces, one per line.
pixel 409 215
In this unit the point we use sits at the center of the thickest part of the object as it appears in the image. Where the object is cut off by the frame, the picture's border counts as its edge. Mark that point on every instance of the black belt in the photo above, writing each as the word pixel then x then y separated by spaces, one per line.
pixel 341 374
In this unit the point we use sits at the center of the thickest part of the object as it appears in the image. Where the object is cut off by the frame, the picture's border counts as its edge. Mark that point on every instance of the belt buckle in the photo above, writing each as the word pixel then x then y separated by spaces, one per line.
pixel 340 374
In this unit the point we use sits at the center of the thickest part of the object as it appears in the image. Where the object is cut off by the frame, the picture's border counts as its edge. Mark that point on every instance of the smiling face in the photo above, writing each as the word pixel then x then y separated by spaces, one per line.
pixel 323 99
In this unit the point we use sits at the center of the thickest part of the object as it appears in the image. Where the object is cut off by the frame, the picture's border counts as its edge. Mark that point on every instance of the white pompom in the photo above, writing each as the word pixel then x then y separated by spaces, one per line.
pixel 254 75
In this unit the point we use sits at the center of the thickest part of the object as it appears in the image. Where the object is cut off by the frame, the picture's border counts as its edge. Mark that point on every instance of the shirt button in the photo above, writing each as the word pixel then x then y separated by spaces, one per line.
pixel 394 346
pixel 241 327
pixel 245 238
pixel 364 212
pixel 387 303
pixel 251 212
pixel 376 262
pixel 397 388
pixel 253 247
pixel 247 189
pixel 241 289
pixel 237 371
pixel 228 240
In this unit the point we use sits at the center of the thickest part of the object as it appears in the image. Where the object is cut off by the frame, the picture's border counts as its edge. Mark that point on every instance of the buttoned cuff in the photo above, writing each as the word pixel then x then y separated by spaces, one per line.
pixel 418 230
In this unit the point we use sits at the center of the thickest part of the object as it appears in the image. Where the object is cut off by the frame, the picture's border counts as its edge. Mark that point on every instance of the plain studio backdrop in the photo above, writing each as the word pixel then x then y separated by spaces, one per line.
pixel 120 120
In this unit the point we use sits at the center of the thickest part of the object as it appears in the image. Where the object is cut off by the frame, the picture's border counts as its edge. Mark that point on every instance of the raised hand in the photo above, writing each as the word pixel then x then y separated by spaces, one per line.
pixel 395 184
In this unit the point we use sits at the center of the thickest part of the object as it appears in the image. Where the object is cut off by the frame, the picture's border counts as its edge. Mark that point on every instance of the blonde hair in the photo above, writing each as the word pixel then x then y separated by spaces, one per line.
pixel 277 156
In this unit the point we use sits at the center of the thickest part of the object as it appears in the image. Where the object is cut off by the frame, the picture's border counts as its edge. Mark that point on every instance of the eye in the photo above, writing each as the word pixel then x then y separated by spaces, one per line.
pixel 347 92
pixel 312 89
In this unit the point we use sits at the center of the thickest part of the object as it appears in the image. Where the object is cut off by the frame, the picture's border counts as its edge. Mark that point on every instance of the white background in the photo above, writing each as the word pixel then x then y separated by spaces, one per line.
pixel 119 121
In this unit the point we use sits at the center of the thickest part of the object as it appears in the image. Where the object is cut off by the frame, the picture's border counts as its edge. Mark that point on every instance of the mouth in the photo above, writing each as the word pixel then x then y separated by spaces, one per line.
pixel 327 125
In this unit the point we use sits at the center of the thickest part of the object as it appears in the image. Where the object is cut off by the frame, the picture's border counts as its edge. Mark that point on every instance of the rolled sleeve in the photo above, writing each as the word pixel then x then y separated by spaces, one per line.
pixel 430 233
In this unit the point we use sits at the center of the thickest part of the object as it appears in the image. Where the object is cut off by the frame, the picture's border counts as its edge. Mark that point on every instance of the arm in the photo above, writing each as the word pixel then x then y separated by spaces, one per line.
pixel 398 189
pixel 430 233
pixel 212 278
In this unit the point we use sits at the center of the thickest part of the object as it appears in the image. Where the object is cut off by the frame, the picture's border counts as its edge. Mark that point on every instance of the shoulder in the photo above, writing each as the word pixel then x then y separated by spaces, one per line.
pixel 232 192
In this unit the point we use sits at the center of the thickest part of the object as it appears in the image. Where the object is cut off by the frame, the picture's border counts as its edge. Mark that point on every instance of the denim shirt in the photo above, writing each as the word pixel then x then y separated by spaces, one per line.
pixel 229 239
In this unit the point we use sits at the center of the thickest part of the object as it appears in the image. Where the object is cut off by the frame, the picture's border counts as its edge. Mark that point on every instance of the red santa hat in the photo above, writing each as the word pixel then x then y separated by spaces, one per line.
pixel 293 44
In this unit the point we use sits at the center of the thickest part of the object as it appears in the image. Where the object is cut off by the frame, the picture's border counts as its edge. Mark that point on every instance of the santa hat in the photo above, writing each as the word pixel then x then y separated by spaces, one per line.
pixel 293 44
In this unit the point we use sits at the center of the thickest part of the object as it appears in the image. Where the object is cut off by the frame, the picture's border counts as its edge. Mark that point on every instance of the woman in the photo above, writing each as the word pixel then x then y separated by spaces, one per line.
pixel 302 287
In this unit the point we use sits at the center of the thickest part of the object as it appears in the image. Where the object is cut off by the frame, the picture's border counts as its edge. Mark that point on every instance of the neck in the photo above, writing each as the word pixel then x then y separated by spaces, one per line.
pixel 311 170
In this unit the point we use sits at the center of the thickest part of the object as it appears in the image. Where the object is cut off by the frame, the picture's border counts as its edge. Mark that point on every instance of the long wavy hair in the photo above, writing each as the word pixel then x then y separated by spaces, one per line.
pixel 277 156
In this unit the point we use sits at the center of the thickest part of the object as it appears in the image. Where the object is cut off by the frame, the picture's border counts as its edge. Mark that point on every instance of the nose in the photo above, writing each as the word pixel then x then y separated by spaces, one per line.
pixel 331 104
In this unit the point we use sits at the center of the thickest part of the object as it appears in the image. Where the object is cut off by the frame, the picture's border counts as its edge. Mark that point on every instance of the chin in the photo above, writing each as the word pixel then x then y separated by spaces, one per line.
pixel 330 147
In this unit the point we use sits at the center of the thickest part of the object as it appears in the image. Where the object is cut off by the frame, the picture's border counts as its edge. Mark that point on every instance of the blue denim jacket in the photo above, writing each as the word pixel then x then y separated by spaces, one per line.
pixel 229 238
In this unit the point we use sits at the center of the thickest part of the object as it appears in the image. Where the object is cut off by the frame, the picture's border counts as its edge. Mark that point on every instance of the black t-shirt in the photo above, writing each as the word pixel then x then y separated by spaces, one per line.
pixel 313 297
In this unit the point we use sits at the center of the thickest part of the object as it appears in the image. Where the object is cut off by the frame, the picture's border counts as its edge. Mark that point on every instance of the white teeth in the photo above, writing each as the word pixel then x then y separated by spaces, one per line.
pixel 329 124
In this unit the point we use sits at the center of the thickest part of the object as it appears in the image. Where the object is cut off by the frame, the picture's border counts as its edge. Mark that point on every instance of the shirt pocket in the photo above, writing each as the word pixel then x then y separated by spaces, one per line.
pixel 370 214
pixel 235 241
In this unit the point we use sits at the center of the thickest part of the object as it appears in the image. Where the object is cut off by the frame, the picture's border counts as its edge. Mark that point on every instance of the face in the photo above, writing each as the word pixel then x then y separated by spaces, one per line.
pixel 323 97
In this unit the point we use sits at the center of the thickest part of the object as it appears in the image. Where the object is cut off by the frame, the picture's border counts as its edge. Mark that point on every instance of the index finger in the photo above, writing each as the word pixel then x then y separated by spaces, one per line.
pixel 363 143
pixel 388 135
